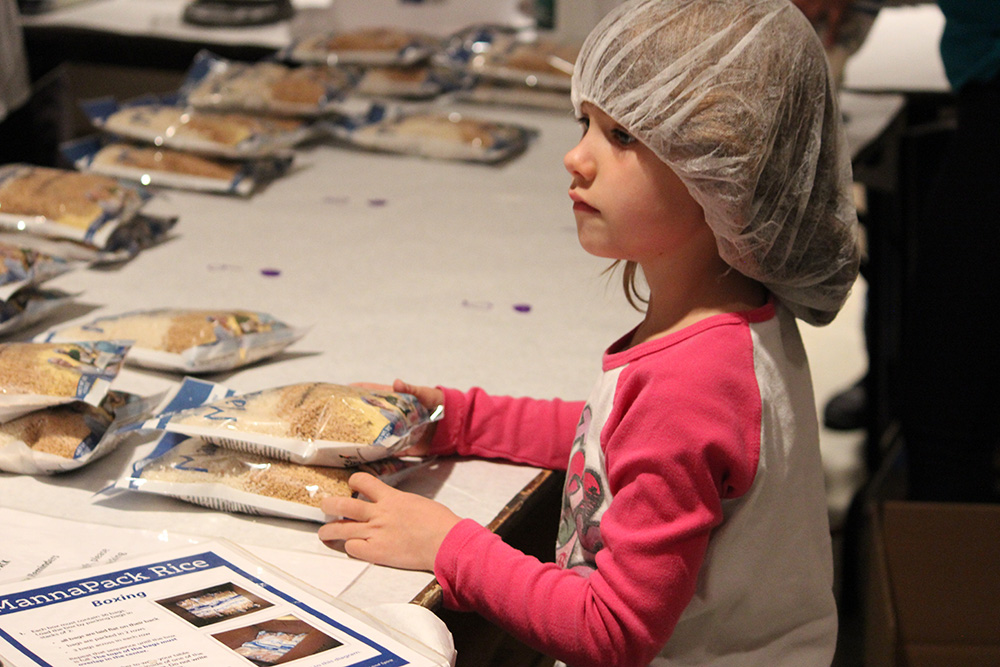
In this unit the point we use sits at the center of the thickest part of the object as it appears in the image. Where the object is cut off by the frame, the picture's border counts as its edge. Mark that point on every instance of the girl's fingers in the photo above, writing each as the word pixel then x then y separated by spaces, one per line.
pixel 347 508
pixel 342 530
pixel 369 485
pixel 373 386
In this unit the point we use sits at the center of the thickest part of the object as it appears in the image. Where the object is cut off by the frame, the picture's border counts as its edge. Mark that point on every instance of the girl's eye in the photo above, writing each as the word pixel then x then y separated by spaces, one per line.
pixel 622 137
pixel 584 123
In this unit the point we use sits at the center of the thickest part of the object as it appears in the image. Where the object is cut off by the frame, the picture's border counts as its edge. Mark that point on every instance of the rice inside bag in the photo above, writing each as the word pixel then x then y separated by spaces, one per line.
pixel 232 135
pixel 191 341
pixel 67 437
pixel 39 375
pixel 205 474
pixel 363 46
pixel 65 204
pixel 313 423
pixel 24 266
pixel 502 54
pixel 168 168
pixel 415 82
pixel 218 84
pixel 434 135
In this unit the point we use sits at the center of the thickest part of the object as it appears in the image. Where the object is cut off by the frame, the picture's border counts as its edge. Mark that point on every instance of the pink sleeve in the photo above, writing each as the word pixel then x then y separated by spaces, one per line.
pixel 669 465
pixel 523 430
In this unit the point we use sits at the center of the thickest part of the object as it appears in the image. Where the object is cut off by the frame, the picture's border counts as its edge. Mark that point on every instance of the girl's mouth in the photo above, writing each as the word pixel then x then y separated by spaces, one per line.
pixel 581 206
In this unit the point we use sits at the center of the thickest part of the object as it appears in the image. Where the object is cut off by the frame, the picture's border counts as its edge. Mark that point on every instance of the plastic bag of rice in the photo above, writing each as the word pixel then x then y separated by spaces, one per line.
pixel 168 168
pixel 65 204
pixel 363 46
pixel 232 135
pixel 444 136
pixel 191 341
pixel 30 305
pixel 312 423
pixel 24 266
pixel 497 53
pixel 214 83
pixel 416 82
pixel 199 472
pixel 40 375
pixel 498 93
pixel 67 437
pixel 143 230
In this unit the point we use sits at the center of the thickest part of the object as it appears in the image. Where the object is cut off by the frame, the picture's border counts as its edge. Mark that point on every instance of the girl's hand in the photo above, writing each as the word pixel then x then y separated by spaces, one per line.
pixel 429 397
pixel 394 528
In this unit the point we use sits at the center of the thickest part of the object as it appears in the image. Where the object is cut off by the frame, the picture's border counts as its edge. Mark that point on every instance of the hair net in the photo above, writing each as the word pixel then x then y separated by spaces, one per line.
pixel 735 96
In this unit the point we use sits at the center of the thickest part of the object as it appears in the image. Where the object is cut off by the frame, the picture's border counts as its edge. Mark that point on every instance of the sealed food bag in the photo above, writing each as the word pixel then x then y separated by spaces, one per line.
pixel 363 46
pixel 65 204
pixel 66 437
pixel 506 55
pixel 188 340
pixel 498 93
pixel 313 423
pixel 445 136
pixel 143 230
pixel 30 305
pixel 40 375
pixel 23 266
pixel 168 168
pixel 264 87
pixel 202 473
pixel 393 81
pixel 231 135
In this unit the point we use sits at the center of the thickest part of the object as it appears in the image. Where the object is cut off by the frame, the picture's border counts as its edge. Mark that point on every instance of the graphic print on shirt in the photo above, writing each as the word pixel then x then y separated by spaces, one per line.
pixel 584 501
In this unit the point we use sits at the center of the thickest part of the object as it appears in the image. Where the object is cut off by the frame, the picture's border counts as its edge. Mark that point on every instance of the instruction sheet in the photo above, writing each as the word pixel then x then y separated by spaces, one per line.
pixel 209 604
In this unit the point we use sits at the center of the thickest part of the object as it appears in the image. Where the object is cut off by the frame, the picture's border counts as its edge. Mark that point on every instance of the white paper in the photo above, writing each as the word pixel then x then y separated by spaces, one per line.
pixel 37 545
pixel 199 604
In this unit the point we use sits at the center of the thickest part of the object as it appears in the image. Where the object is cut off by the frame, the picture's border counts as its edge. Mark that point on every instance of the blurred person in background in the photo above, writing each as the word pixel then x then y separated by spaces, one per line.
pixel 14 84
pixel 950 386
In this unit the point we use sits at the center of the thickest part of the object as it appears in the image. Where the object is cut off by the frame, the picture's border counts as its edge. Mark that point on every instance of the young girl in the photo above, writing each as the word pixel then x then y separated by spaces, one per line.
pixel 694 526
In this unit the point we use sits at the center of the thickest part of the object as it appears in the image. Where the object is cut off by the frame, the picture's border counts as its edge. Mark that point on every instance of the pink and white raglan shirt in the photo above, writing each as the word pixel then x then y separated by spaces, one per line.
pixel 694 528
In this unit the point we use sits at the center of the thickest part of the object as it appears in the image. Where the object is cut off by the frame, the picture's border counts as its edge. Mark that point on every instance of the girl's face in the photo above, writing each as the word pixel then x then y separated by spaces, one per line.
pixel 628 204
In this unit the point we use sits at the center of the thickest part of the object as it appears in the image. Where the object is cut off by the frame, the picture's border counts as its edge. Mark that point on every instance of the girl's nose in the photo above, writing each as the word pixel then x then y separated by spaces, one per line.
pixel 578 162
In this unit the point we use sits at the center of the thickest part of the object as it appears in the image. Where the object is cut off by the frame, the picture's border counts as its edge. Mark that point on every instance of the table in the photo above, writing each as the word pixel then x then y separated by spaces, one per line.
pixel 401 267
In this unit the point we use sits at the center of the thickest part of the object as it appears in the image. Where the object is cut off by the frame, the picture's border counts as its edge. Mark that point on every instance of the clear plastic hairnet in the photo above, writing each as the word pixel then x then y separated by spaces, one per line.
pixel 735 96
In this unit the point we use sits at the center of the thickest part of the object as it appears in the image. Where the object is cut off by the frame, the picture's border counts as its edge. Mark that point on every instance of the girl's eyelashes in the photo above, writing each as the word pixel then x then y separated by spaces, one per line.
pixel 617 134
pixel 622 137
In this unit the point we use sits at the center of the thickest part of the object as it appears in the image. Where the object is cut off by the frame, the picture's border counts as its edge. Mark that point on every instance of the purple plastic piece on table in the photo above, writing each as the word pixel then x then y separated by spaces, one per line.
pixel 522 307
pixel 271 272
pixel 377 202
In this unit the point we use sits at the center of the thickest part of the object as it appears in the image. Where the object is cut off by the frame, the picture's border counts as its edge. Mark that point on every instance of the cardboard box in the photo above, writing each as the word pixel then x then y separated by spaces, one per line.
pixel 933 586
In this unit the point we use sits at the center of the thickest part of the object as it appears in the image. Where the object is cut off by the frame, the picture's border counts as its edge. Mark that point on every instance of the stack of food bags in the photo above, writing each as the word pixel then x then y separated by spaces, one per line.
pixel 509 67
pixel 53 220
pixel 57 409
pixel 394 68
pixel 161 141
pixel 230 128
pixel 279 451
